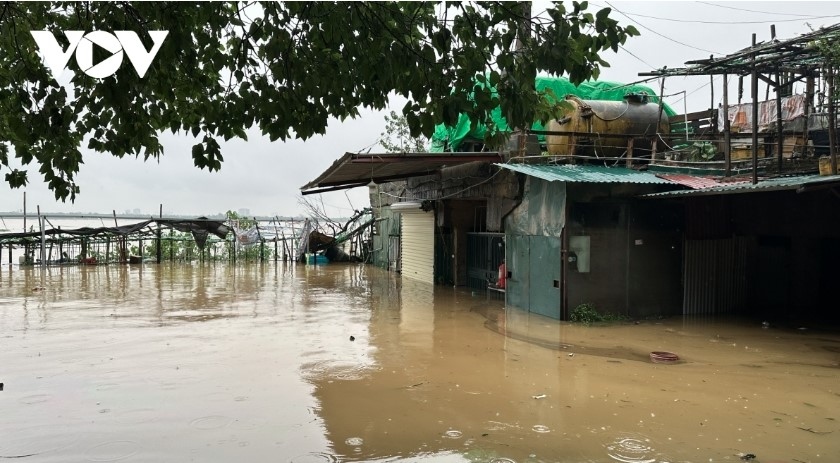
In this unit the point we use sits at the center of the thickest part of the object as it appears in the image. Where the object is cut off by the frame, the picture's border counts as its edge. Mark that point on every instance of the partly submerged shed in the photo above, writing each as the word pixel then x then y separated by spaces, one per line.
pixel 580 235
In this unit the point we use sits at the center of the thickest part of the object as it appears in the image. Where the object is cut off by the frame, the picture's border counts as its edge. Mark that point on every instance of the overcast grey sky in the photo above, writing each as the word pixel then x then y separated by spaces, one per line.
pixel 265 177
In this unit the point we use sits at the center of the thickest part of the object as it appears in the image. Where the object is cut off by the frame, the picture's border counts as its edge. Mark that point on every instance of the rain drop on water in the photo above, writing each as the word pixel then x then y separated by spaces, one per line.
pixel 453 434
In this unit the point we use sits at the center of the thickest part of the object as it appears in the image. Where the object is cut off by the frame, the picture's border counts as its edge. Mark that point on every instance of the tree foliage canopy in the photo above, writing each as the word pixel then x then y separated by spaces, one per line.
pixel 284 68
pixel 397 136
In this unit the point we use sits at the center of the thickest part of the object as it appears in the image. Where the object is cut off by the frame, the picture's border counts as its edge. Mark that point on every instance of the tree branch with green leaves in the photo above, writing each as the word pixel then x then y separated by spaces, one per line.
pixel 284 69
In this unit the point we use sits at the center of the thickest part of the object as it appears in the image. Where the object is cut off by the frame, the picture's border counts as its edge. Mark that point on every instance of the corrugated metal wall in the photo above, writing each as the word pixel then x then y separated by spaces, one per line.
pixel 715 276
pixel 418 246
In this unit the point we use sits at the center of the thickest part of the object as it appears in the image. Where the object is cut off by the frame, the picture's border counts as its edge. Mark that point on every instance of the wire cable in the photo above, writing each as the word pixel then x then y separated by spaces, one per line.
pixel 634 56
pixel 754 11
pixel 700 21
pixel 657 33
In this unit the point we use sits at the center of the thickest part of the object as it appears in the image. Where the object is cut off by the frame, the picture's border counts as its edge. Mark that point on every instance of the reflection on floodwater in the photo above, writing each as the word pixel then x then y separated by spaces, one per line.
pixel 350 363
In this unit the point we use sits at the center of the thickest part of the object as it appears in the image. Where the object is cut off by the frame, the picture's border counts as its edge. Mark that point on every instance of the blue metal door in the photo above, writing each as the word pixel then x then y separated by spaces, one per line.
pixel 518 265
pixel 545 263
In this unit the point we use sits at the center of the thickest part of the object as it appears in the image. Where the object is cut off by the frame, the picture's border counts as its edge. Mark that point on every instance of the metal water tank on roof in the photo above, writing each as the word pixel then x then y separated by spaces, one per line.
pixel 597 118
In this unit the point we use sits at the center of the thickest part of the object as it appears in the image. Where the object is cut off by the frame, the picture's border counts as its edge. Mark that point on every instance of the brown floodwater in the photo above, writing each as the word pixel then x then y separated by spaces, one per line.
pixel 217 363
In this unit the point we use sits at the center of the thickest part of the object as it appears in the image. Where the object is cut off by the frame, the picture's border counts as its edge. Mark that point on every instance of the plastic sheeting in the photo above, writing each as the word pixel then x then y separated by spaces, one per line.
pixel 542 211
pixel 450 138
pixel 740 116
pixel 247 237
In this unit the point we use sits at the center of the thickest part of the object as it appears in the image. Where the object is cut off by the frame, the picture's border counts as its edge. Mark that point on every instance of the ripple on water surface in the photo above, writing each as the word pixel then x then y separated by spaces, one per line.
pixel 453 434
pixel 211 422
pixel 631 449
pixel 112 451
pixel 354 441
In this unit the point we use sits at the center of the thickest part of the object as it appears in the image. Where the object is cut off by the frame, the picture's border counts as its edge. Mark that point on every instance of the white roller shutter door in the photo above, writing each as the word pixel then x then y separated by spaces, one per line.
pixel 418 246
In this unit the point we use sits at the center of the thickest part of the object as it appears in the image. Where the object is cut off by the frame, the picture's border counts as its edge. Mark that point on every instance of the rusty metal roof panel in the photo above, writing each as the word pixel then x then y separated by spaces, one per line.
pixel 799 183
pixel 695 182
pixel 584 174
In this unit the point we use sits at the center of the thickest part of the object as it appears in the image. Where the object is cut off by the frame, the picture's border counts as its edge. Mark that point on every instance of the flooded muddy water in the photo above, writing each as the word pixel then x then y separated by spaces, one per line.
pixel 350 363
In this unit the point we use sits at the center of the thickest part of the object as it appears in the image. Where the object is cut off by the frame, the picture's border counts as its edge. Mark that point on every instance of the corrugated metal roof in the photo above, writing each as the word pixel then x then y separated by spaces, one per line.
pixel 801 183
pixel 585 174
pixel 694 182
pixel 354 169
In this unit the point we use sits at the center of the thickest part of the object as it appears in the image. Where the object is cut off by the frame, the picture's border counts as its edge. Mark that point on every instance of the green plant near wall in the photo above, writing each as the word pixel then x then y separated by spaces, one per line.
pixel 586 313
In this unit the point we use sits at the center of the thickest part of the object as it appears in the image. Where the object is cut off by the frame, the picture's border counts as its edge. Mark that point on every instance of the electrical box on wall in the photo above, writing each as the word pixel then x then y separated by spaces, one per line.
pixel 579 246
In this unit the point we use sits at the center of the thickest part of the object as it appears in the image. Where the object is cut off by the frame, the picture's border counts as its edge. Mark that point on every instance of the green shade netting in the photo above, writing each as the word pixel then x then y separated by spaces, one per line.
pixel 450 138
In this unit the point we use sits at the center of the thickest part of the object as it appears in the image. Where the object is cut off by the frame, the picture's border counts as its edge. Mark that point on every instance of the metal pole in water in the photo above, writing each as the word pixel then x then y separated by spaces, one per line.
pixel 159 251
pixel 43 239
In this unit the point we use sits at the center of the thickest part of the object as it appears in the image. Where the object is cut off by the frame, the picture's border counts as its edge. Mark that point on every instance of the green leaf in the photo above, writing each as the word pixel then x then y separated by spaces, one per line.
pixel 16 178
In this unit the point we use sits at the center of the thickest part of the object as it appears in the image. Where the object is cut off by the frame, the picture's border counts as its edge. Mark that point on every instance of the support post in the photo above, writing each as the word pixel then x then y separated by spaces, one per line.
pixel 712 85
pixel 629 152
pixel 832 122
pixel 654 142
pixel 122 258
pixel 780 139
pixel 754 81
pixel 727 134
pixel 809 101
pixel 658 120
pixel 43 239
pixel 159 240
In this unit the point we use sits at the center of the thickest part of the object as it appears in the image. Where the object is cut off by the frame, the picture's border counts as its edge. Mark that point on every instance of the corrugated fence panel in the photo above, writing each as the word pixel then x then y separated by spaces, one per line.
pixel 715 276
pixel 418 247
pixel 741 287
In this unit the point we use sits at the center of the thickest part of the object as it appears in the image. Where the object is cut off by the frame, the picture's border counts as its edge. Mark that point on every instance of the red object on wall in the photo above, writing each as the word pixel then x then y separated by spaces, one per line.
pixel 500 282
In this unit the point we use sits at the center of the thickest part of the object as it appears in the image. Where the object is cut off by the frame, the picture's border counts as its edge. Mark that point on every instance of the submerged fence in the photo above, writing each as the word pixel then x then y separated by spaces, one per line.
pixel 184 240
pixel 151 241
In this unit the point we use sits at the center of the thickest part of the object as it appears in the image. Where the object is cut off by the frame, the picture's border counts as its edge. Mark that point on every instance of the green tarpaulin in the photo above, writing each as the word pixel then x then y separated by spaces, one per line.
pixel 450 138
